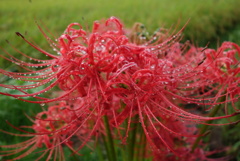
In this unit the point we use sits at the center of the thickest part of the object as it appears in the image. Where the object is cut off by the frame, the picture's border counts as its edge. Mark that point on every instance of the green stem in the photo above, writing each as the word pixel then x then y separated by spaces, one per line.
pixel 109 141
pixel 131 142
pixel 106 147
pixel 141 147
pixel 99 151
pixel 205 127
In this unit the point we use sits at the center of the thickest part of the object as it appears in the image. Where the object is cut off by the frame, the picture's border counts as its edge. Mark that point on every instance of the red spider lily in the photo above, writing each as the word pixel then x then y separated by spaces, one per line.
pixel 53 129
pixel 181 145
pixel 221 69
pixel 102 73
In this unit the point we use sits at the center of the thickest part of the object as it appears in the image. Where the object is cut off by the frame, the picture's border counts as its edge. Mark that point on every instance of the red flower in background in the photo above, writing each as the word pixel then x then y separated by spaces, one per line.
pixel 52 129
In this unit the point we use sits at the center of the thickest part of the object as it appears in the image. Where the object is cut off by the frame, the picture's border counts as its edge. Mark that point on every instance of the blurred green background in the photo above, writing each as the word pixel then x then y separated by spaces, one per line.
pixel 211 21
pixel 208 18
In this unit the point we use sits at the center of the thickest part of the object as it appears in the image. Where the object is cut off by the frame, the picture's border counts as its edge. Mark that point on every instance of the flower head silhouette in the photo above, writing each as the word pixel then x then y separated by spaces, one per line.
pixel 104 73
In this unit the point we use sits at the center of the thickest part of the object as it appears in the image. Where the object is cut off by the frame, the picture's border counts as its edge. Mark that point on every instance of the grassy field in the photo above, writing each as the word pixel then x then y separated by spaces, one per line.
pixel 210 21
pixel 208 18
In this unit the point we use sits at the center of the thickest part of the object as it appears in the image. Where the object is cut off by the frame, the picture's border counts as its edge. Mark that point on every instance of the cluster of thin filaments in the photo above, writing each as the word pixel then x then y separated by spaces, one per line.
pixel 130 78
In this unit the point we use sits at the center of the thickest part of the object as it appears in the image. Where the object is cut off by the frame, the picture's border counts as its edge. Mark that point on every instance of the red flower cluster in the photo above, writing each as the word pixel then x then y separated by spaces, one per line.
pixel 104 74
pixel 52 128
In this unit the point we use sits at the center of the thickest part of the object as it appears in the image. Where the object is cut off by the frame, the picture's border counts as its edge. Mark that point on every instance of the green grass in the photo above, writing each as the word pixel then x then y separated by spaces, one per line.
pixel 210 20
